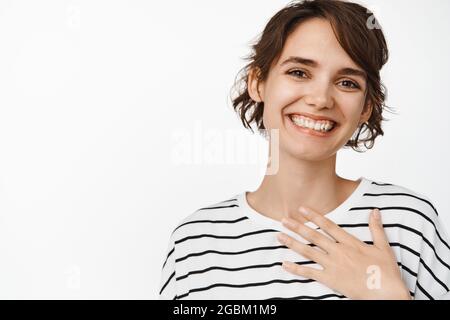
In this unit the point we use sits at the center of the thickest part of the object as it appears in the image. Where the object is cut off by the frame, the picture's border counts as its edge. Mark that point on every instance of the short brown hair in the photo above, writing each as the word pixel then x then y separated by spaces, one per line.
pixel 351 24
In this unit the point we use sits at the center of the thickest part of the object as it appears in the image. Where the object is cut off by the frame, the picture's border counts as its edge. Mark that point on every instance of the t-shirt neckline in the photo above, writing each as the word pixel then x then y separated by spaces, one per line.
pixel 267 222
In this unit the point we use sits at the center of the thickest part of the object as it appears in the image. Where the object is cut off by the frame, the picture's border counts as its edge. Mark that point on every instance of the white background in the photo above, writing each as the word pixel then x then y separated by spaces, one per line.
pixel 95 95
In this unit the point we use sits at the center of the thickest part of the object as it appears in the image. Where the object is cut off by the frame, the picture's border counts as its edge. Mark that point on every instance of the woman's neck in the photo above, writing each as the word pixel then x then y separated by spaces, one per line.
pixel 301 183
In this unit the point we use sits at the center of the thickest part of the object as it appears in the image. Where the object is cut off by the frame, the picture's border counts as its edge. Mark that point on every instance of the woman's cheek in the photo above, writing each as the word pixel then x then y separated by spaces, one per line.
pixel 289 92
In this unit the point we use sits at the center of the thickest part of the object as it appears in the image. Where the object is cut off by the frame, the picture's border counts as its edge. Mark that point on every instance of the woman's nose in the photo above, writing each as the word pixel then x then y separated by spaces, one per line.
pixel 319 98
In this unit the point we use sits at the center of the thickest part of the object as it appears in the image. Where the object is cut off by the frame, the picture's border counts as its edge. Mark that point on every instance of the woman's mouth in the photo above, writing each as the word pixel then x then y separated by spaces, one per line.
pixel 308 126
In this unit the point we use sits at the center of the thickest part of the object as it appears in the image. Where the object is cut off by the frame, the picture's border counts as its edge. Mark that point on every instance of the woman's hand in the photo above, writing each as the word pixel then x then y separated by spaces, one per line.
pixel 350 266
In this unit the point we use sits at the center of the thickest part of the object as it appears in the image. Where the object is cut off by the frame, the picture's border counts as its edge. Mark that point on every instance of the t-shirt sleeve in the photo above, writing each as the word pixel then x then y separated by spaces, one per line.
pixel 168 283
pixel 433 276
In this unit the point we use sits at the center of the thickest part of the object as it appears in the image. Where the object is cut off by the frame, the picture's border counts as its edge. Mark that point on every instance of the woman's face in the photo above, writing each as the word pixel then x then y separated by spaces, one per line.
pixel 322 87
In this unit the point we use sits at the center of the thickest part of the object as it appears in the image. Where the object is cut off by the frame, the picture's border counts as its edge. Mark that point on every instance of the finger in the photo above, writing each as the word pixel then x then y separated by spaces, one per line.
pixel 306 272
pixel 303 249
pixel 309 234
pixel 297 217
pixel 379 237
pixel 329 226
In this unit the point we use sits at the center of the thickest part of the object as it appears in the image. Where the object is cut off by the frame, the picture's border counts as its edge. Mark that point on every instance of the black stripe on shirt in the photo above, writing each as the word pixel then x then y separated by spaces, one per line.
pixel 167 282
pixel 229 252
pixel 212 221
pixel 218 207
pixel 255 266
pixel 225 237
pixel 414 274
pixel 424 291
pixel 243 285
pixel 325 296
pixel 433 275
pixel 402 194
pixel 168 255
pixel 382 184
pixel 234 199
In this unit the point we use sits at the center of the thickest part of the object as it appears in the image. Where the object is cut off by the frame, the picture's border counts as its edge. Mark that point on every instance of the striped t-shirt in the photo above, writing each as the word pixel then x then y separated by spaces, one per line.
pixel 227 250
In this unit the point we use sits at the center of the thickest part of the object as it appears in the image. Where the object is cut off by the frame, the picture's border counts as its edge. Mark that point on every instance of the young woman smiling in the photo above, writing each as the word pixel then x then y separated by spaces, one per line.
pixel 305 232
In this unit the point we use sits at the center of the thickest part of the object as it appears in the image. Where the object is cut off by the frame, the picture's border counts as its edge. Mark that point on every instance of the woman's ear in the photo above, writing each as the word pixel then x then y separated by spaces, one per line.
pixel 367 112
pixel 255 87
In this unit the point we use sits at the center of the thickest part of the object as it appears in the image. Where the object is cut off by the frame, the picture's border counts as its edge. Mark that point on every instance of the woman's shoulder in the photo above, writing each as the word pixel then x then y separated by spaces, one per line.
pixel 393 189
pixel 392 196
pixel 394 186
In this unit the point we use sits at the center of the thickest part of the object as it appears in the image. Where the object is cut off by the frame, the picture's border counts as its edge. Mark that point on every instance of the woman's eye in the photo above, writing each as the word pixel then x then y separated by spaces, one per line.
pixel 298 73
pixel 302 74
pixel 350 84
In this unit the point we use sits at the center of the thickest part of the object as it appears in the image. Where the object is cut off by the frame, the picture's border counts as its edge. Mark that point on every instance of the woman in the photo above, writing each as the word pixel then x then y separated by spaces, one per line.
pixel 312 87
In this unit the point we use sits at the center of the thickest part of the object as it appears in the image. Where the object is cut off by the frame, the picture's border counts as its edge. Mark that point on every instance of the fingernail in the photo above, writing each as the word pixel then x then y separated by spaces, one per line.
pixel 376 214
pixel 303 211
pixel 288 222
pixel 282 237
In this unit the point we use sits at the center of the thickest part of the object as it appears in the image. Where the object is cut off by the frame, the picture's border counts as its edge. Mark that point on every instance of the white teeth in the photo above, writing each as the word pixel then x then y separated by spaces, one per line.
pixel 311 124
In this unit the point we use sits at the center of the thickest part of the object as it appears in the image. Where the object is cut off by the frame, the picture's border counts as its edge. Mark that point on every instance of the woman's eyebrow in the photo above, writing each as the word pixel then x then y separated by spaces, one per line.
pixel 301 60
pixel 315 64
pixel 352 72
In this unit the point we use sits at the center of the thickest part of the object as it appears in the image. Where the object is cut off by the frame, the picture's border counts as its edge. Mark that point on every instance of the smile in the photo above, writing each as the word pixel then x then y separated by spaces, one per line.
pixel 309 126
